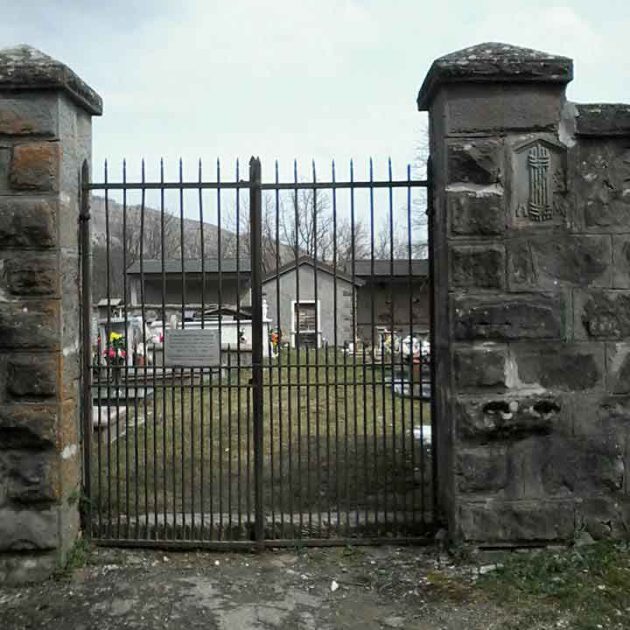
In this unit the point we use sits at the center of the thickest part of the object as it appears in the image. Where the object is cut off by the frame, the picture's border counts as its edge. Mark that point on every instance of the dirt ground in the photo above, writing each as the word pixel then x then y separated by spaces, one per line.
pixel 360 588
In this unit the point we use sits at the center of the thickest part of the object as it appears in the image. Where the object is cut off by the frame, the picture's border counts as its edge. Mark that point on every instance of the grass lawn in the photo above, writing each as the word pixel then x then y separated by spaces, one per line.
pixel 337 442
pixel 583 588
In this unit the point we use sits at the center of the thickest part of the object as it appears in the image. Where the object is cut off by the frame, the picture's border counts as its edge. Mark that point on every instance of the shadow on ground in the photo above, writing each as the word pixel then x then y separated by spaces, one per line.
pixel 318 588
pixel 579 588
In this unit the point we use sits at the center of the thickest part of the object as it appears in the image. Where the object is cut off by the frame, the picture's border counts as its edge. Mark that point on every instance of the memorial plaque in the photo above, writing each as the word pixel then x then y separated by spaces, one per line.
pixel 538 182
pixel 191 348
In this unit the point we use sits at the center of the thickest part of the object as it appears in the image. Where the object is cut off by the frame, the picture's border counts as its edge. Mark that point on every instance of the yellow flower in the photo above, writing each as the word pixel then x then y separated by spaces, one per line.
pixel 114 336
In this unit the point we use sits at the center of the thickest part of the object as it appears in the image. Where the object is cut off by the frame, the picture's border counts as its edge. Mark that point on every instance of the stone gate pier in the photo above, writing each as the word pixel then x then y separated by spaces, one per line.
pixel 531 247
pixel 45 135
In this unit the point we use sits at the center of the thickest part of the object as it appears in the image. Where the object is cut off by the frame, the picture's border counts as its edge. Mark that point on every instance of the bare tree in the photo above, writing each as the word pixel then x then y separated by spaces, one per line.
pixel 295 226
pixel 145 235
pixel 393 241
pixel 419 217
pixel 308 227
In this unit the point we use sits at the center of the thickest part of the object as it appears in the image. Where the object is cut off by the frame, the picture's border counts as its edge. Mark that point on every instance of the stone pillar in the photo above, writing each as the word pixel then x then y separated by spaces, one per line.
pixel 507 256
pixel 45 135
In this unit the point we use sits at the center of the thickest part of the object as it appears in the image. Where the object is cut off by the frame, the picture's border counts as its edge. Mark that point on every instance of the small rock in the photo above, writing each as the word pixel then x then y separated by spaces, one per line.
pixel 393 622
pixel 334 585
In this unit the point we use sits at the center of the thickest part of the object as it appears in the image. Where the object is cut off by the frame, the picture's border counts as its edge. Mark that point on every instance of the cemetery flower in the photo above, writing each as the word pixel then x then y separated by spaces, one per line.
pixel 115 352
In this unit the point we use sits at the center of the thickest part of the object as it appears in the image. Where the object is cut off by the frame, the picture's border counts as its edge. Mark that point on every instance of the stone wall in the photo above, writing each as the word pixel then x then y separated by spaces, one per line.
pixel 531 247
pixel 45 135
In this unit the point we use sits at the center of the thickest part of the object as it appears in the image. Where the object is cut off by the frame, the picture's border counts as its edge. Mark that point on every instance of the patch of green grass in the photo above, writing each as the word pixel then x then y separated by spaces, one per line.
pixel 582 588
pixel 77 557
pixel 335 436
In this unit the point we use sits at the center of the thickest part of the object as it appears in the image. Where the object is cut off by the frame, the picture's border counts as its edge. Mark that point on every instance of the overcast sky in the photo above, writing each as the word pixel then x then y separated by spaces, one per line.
pixel 295 78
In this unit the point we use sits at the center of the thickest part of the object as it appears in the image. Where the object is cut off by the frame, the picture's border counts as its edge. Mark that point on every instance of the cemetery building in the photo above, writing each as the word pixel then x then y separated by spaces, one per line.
pixel 156 282
pixel 393 294
pixel 372 296
pixel 315 296
pixel 387 294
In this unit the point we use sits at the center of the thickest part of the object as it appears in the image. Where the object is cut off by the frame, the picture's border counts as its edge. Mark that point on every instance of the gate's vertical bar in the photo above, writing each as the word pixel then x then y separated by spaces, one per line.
pixel 372 336
pixel 318 462
pixel 239 371
pixel 108 347
pixel 86 354
pixel 136 452
pixel 279 356
pixel 411 358
pixel 181 369
pixel 220 326
pixel 432 367
pixel 163 378
pixel 228 370
pixel 335 354
pixel 127 345
pixel 143 298
pixel 392 348
pixel 353 253
pixel 297 323
pixel 153 402
pixel 255 206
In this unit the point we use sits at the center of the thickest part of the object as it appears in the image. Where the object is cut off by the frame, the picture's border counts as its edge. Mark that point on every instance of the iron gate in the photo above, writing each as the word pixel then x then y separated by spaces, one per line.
pixel 312 425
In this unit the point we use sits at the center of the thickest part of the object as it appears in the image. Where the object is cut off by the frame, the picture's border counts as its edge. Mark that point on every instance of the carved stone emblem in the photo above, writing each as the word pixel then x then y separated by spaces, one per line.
pixel 538 181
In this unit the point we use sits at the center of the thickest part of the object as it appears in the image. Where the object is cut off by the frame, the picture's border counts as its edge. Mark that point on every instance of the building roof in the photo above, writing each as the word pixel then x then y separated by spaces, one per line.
pixel 388 268
pixel 322 267
pixel 109 302
pixel 382 268
pixel 192 265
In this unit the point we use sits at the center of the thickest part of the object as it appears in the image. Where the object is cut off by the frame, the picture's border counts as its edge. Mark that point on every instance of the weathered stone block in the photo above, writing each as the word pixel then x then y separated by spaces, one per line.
pixel 604 517
pixel 27 223
pixel 22 530
pixel 507 317
pixel 25 116
pixel 602 314
pixel 27 426
pixel 32 324
pixel 30 476
pixel 481 469
pixel 35 166
pixel 556 258
pixel 21 568
pixel 621 256
pixel 5 162
pixel 603 171
pixel 33 376
pixel 479 266
pixel 600 417
pixel 574 367
pixel 525 462
pixel 498 521
pixel 475 162
pixel 476 213
pixel 492 64
pixel 502 417
pixel 483 366
pixel 603 119
pixel 31 274
pixel 582 466
pixel 618 367
pixel 486 107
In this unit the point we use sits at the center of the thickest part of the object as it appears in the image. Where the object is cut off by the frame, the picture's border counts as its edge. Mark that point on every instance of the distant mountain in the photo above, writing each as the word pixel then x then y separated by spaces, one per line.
pixel 132 239
pixel 127 243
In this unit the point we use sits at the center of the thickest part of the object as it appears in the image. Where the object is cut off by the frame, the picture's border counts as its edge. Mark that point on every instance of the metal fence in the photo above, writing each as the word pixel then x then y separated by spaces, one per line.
pixel 311 421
